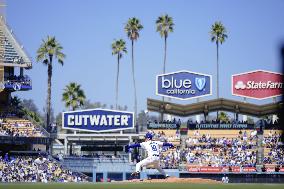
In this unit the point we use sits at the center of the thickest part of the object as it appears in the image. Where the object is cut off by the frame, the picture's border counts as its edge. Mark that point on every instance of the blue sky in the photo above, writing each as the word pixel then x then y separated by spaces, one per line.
pixel 86 29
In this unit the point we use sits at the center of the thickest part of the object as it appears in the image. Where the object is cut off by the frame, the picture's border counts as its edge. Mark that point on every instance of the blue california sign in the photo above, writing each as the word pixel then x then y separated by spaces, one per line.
pixel 97 120
pixel 184 85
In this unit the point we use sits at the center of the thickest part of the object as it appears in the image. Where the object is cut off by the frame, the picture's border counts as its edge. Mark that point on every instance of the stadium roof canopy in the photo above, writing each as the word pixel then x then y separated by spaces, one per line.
pixel 220 104
pixel 12 53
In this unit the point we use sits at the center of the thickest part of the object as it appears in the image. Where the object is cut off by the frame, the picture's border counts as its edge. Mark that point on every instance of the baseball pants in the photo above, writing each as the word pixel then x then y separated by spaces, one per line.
pixel 155 161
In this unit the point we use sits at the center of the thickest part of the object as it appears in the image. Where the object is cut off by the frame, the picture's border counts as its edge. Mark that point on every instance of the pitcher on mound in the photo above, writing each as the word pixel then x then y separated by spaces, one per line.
pixel 153 149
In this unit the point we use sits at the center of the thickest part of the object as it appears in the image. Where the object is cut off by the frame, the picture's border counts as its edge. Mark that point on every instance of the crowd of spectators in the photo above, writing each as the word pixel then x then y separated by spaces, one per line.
pixel 161 136
pixel 173 121
pixel 21 128
pixel 223 151
pixel 275 146
pixel 35 169
pixel 170 158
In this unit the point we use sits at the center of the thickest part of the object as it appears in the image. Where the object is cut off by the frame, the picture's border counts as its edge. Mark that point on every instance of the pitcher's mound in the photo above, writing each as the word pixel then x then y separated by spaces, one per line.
pixel 177 180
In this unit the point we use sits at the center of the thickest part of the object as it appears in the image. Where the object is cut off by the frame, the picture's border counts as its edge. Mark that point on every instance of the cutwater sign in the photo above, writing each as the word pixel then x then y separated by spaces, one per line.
pixel 97 120
pixel 183 85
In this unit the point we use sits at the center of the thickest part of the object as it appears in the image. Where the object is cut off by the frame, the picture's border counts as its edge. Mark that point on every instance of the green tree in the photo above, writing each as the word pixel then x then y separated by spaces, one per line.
pixel 33 116
pixel 31 111
pixel 223 116
pixel 165 25
pixel 49 49
pixel 250 120
pixel 89 105
pixel 73 96
pixel 118 48
pixel 142 120
pixel 218 35
pixel 30 105
pixel 16 103
pixel 132 29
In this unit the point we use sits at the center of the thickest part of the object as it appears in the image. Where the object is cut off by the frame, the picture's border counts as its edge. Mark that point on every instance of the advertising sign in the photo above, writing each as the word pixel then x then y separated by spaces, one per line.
pixel 162 126
pixel 208 169
pixel 221 126
pixel 97 120
pixel 183 85
pixel 258 84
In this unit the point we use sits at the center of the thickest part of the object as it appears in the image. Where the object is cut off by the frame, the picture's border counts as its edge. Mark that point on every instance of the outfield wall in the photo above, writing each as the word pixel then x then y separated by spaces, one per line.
pixel 239 177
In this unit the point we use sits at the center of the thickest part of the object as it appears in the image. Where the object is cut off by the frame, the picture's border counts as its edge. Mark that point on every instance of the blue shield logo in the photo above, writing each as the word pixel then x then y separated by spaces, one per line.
pixel 183 85
pixel 97 120
pixel 200 83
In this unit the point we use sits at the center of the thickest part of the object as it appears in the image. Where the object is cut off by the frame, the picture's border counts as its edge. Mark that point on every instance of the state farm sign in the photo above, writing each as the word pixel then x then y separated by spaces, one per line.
pixel 258 84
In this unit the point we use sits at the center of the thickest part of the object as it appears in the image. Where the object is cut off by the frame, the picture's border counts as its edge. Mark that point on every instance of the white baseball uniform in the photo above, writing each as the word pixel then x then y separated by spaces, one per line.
pixel 153 149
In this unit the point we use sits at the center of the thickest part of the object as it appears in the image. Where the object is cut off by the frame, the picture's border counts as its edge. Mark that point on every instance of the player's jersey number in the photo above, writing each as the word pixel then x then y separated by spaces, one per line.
pixel 154 148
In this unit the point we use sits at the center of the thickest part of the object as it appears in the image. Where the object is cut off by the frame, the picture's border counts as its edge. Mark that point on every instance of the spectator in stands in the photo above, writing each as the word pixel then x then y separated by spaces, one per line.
pixel 28 169
pixel 263 169
pixel 215 152
pixel 6 157
pixel 19 128
pixel 277 168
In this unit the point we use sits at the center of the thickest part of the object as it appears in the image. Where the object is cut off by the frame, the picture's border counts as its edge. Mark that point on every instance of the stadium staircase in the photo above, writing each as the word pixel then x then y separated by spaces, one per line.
pixel 260 151
pixel 260 154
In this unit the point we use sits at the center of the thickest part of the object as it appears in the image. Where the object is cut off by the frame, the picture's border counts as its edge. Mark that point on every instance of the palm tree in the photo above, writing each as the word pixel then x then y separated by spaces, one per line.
pixel 218 35
pixel 223 116
pixel 118 48
pixel 164 25
pixel 16 104
pixel 132 29
pixel 73 96
pixel 49 49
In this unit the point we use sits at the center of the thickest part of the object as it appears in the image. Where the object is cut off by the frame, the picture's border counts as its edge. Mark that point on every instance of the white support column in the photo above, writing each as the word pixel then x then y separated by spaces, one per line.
pixel 65 146
pixel 274 118
pixel 197 117
pixel 129 154
pixel 245 117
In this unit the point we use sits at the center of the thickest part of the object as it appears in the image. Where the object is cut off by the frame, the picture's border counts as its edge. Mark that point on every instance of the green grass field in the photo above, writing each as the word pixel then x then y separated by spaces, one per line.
pixel 139 186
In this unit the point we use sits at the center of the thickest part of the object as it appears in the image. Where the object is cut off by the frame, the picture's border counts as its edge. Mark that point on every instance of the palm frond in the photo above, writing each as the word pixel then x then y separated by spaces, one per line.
pixel 164 25
pixel 73 96
pixel 218 32
pixel 50 48
pixel 132 28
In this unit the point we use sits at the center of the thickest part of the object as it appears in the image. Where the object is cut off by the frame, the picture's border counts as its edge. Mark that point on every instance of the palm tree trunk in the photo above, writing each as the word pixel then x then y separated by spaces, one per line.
pixel 164 71
pixel 49 73
pixel 217 86
pixel 117 76
pixel 165 55
pixel 48 111
pixel 135 96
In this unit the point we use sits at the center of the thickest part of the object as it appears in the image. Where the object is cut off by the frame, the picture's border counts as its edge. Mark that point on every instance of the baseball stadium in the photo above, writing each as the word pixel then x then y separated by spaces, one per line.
pixel 141 94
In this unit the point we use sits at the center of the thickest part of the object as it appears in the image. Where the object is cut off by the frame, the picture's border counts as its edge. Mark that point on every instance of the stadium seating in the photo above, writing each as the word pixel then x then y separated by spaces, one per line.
pixel 273 148
pixel 170 158
pixel 219 148
pixel 19 128
pixel 35 169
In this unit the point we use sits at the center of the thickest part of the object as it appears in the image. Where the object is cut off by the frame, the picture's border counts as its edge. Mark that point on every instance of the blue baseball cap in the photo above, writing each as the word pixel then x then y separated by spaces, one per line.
pixel 149 136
